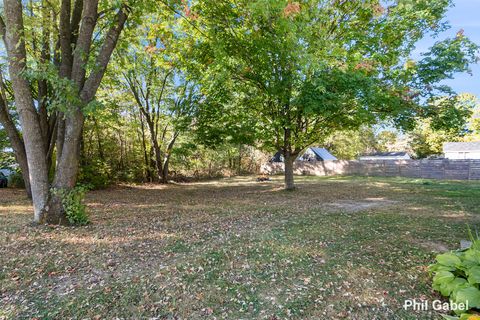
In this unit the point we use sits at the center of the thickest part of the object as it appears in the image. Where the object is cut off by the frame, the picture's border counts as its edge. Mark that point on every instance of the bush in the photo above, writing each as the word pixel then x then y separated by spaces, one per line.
pixel 97 175
pixel 457 276
pixel 73 203
pixel 15 180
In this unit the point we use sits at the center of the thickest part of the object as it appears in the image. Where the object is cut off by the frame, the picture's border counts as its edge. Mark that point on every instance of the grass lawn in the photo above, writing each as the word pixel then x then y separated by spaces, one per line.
pixel 337 248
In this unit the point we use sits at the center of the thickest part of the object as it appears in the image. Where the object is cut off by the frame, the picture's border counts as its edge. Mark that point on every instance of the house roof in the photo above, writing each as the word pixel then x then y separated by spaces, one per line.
pixel 461 146
pixel 320 153
pixel 323 154
pixel 387 154
pixel 278 157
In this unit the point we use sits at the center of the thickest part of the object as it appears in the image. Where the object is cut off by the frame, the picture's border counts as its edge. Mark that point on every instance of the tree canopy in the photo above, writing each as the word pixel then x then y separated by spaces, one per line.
pixel 302 70
pixel 97 90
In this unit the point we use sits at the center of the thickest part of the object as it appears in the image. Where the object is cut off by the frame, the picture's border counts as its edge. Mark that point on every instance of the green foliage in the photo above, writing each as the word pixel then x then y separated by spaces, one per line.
pixel 3 139
pixel 427 142
pixel 445 59
pixel 453 120
pixel 348 145
pixel 199 161
pixel 457 276
pixel 6 159
pixel 96 174
pixel 298 71
pixel 73 204
pixel 64 94
pixel 15 180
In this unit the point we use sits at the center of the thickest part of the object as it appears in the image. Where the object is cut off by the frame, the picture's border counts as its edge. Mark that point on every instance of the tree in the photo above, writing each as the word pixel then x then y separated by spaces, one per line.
pixel 83 44
pixel 428 137
pixel 164 97
pixel 305 69
pixel 349 145
pixel 11 131
pixel 165 104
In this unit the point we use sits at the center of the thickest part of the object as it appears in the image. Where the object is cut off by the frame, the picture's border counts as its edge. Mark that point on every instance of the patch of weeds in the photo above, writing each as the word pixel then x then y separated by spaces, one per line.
pixel 178 246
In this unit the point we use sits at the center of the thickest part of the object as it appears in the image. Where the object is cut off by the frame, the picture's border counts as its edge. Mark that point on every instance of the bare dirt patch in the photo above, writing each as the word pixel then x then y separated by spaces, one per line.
pixel 433 246
pixel 352 206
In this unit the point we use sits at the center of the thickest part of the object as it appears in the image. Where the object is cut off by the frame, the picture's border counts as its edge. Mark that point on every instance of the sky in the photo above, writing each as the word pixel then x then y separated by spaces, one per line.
pixel 464 15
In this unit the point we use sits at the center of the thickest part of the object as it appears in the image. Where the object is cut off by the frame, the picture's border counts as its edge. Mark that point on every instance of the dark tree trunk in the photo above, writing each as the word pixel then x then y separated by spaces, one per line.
pixel 55 211
pixel 289 158
pixel 289 180
pixel 148 171
pixel 158 160
pixel 166 160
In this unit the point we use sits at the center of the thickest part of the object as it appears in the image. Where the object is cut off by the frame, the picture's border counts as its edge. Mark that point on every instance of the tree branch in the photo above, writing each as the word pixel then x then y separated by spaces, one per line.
pixel 111 39
pixel 84 41
pixel 65 40
pixel 75 20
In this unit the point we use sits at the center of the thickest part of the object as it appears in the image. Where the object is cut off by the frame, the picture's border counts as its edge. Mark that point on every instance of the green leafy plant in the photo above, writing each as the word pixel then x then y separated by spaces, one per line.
pixel 15 180
pixel 96 174
pixel 457 276
pixel 73 203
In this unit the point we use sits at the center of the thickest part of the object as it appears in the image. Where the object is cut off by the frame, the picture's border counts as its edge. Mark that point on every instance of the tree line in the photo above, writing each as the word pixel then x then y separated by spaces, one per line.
pixel 137 84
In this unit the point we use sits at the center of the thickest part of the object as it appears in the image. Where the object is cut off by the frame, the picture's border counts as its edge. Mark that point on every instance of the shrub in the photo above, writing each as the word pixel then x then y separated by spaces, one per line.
pixel 457 276
pixel 73 203
pixel 15 180
pixel 97 175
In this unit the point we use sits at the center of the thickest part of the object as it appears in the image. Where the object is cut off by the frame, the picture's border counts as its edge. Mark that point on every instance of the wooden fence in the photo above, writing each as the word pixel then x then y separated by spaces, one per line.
pixel 429 169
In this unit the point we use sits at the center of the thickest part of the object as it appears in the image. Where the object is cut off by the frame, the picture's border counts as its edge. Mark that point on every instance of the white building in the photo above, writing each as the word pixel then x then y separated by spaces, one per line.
pixel 462 150
pixel 396 155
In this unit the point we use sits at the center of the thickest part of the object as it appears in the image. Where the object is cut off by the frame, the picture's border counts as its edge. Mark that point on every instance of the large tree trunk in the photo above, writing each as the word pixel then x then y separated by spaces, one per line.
pixel 157 151
pixel 66 171
pixel 68 163
pixel 289 158
pixel 166 162
pixel 289 180
pixel 31 129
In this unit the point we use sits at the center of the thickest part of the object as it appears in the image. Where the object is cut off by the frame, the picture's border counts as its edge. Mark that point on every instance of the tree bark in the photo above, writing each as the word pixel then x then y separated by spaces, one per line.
pixel 289 180
pixel 69 159
pixel 101 153
pixel 148 172
pixel 289 156
pixel 76 29
pixel 158 159
pixel 34 143
pixel 166 160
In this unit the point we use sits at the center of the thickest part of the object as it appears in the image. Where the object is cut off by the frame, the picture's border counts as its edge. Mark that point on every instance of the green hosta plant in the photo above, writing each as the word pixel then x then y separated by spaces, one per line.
pixel 457 276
